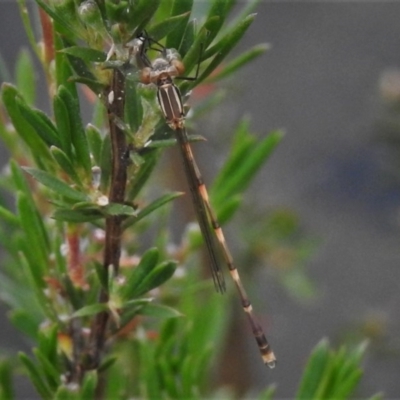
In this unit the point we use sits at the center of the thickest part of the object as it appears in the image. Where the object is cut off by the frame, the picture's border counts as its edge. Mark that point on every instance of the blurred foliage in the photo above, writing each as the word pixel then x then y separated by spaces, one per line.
pixel 159 342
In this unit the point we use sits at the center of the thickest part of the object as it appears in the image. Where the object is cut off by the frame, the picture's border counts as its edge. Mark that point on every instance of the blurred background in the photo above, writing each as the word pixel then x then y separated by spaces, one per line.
pixel 331 81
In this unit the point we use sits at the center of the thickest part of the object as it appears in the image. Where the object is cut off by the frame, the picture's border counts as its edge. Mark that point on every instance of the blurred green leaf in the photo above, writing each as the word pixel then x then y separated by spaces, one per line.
pixel 25 79
pixel 36 377
pixel 25 322
pixel 159 311
pixel 187 38
pixel 241 60
pixel 89 310
pixel 6 381
pixel 89 385
pixel 150 208
pixel 119 209
pixel 137 274
pixel 156 277
pixel 244 171
pixel 225 46
pixel 317 365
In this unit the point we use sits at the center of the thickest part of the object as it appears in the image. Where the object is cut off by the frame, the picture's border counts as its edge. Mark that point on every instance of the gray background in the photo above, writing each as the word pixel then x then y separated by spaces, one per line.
pixel 320 83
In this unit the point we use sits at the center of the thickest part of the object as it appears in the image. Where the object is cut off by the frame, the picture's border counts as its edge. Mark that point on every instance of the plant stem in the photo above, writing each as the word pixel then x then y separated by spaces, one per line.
pixel 120 161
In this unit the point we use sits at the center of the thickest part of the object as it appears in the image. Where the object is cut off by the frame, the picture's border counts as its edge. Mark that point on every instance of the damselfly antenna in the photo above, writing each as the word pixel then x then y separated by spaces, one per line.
pixel 161 72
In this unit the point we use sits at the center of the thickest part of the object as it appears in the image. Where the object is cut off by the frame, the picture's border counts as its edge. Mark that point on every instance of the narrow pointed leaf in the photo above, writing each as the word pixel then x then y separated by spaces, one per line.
pixel 65 163
pixel 92 309
pixel 63 124
pixel 95 142
pixel 151 207
pixel 6 381
pixel 147 263
pixel 39 150
pixel 141 177
pixel 119 209
pixel 249 167
pixel 86 54
pixel 40 123
pixel 79 139
pixel 155 278
pixel 142 13
pixel 239 62
pixel 168 27
pixel 159 311
pixel 36 377
pixel 179 7
pixel 133 105
pixel 77 216
pixel 56 184
pixel 26 79
pixel 187 38
pixel 224 47
pixel 314 371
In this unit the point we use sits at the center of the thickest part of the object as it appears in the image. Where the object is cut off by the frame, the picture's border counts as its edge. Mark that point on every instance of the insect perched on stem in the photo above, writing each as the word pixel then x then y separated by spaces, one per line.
pixel 161 72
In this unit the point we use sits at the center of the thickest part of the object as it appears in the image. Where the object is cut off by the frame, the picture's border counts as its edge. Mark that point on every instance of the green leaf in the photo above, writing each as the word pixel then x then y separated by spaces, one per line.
pixel 78 137
pixel 139 179
pixel 8 217
pixel 95 142
pixel 179 7
pixel 35 236
pixel 141 14
pixel 150 208
pixel 25 322
pixel 63 124
pixel 23 11
pixel 220 9
pixel 245 171
pixel 26 80
pixel 105 165
pixel 39 150
pixel 35 377
pixel 6 381
pixel 159 311
pixel 133 104
pixel 168 26
pixel 85 53
pixel 40 123
pixel 59 18
pixel 155 278
pixel 90 310
pixel 56 184
pixel 118 209
pixel 51 373
pixel 187 38
pixel 238 62
pixel 77 216
pixel 64 162
pixel 89 385
pixel 227 209
pixel 191 58
pixel 225 46
pixel 315 370
pixel 137 274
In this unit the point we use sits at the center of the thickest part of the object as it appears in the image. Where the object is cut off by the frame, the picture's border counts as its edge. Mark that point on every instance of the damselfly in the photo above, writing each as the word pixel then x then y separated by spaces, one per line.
pixel 161 72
